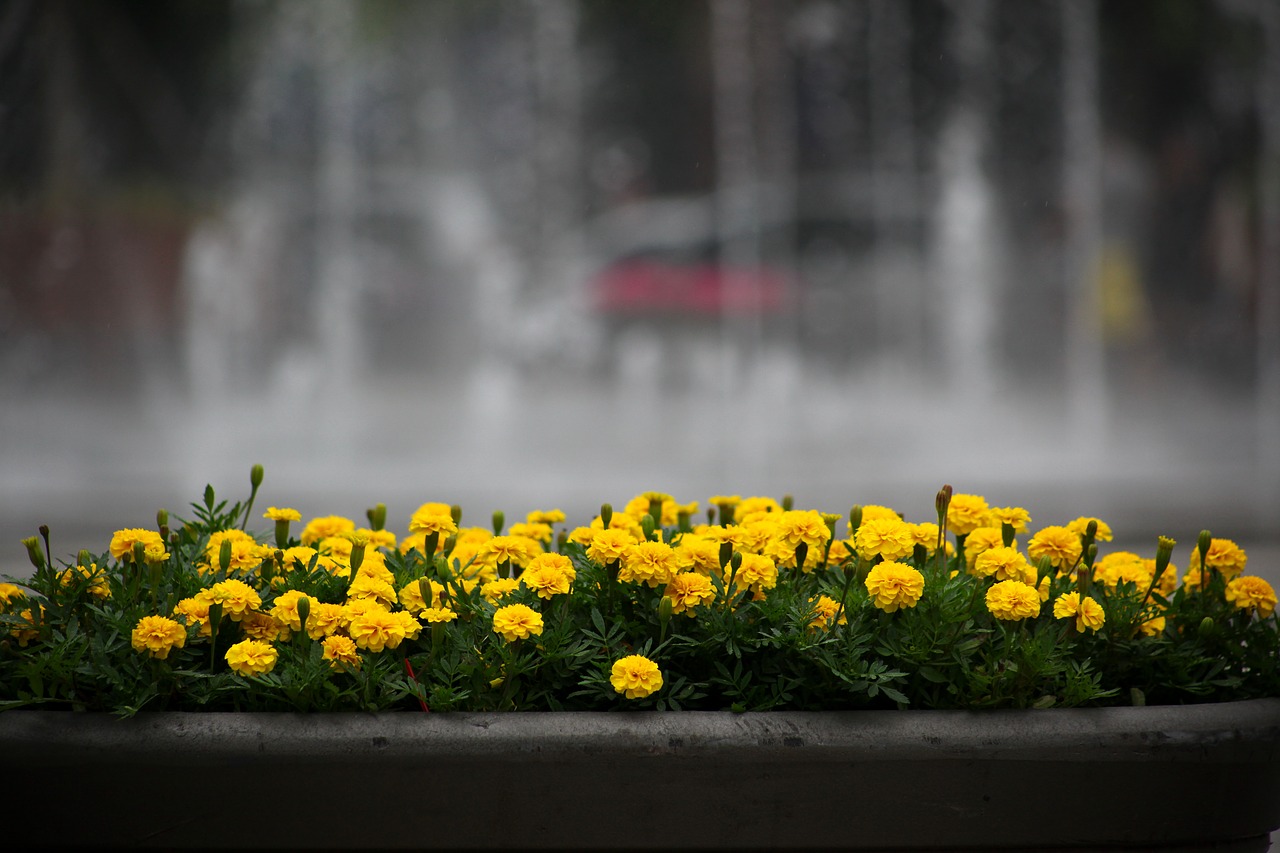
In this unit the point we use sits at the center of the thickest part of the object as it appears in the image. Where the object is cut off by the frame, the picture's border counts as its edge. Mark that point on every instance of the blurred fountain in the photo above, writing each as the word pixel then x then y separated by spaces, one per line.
pixel 1082 200
pixel 966 273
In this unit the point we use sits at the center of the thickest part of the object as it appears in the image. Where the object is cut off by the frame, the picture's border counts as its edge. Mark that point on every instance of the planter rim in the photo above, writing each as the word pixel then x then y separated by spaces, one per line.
pixel 825 735
pixel 1161 777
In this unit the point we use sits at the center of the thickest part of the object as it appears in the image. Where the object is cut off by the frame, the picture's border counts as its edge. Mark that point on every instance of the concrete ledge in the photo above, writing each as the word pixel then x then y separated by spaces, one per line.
pixel 1186 777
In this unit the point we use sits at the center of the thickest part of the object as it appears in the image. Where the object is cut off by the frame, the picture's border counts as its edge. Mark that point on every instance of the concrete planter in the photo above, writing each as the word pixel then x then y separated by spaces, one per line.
pixel 1180 778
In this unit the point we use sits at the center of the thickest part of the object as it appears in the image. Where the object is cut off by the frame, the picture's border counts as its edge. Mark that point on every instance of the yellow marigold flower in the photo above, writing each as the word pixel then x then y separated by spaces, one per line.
pixel 825 609
pixel 1081 524
pixel 583 535
pixel 926 534
pixel 690 509
pixel 28 628
pixel 698 553
pixel 1059 544
pixel 337 547
pixel 377 539
pixel 158 635
pixel 1152 627
pixel 688 590
pixel 517 622
pixel 326 619
pixel 877 511
pixel 466 560
pixel 195 611
pixel 546 577
pixel 784 555
pixel 431 522
pixel 251 657
pixel 410 595
pixel 966 513
pixel 409 624
pixel 369 585
pixel 890 539
pixel 236 597
pixel 1013 599
pixel 519 550
pixel 496 590
pixel 653 563
pixel 545 516
pixel 753 505
pixel 97 585
pixel 981 539
pixel 282 514
pixel 261 626
pixel 1119 566
pixel 724 505
pixel 341 652
pixel 1249 592
pixel 298 558
pixel 635 677
pixel 375 628
pixel 1014 516
pixel 532 530
pixel 606 546
pixel 1004 564
pixel 802 525
pixel 122 542
pixel 757 574
pixel 11 592
pixel 246 553
pixel 893 585
pixel 436 615
pixel 326 527
pixel 638 507
pixel 285 611
pixel 840 552
pixel 1223 555
pixel 434 508
pixel 1089 613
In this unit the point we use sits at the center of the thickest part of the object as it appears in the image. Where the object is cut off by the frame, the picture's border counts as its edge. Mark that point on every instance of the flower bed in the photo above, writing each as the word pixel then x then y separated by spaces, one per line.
pixel 762 607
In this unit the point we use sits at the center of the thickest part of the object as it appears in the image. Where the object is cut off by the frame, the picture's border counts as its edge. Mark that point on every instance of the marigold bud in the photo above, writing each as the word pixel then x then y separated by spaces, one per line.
pixel 224 554
pixel 606 515
pixel 84 558
pixel 664 611
pixel 378 517
pixel 255 476
pixel 1164 551
pixel 788 502
pixel 1006 533
pixel 499 520
pixel 162 518
pixel 455 512
pixel 855 519
pixel 140 553
pixel 942 501
pixel 1207 628
pixel 304 611
pixel 1203 543
pixel 357 556
pixel 34 554
pixel 646 524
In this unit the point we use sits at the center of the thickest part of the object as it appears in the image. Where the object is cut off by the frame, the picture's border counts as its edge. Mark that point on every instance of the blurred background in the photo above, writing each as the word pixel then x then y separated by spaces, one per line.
pixel 548 253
